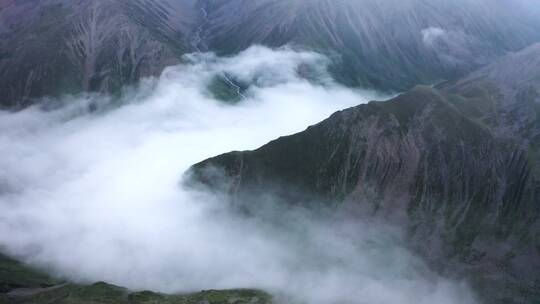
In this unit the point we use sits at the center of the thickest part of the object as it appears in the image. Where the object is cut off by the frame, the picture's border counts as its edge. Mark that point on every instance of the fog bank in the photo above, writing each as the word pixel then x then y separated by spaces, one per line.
pixel 92 190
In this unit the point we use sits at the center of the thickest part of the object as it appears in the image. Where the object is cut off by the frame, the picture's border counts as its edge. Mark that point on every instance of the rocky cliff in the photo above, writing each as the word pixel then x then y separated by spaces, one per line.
pixel 457 166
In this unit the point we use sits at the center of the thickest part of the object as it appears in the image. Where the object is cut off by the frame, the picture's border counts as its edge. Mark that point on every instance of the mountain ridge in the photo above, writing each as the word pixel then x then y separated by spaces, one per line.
pixel 455 166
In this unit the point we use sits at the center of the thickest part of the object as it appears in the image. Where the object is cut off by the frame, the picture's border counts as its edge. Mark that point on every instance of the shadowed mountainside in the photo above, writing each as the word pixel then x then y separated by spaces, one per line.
pixel 54 47
pixel 457 166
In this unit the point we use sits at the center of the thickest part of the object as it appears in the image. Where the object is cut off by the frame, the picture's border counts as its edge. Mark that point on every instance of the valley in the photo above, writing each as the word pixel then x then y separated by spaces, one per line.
pixel 270 151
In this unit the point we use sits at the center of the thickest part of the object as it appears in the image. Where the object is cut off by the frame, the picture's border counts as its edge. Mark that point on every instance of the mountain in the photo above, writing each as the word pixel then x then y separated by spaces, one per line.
pixel 457 166
pixel 53 47
pixel 388 45
pixel 454 161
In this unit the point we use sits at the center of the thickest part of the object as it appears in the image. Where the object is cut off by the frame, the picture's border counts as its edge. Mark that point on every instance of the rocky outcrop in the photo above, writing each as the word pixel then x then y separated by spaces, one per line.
pixel 456 166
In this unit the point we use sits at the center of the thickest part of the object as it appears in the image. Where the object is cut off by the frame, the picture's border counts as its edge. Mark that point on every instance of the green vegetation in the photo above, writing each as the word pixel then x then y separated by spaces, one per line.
pixel 20 284
pixel 15 275
pixel 223 91
pixel 105 293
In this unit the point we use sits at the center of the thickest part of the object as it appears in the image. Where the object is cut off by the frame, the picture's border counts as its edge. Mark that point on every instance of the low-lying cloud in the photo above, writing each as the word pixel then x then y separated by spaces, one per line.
pixel 91 190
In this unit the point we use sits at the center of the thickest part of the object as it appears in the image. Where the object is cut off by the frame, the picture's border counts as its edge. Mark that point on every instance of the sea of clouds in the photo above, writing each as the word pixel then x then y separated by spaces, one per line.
pixel 90 189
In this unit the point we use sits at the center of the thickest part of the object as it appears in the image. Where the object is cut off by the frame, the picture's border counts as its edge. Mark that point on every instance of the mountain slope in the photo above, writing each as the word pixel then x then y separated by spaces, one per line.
pixel 21 284
pixel 389 44
pixel 52 47
pixel 457 166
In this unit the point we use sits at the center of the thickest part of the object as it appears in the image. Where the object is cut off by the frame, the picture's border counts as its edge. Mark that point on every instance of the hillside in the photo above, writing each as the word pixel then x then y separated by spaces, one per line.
pixel 456 166
pixel 22 284
pixel 54 47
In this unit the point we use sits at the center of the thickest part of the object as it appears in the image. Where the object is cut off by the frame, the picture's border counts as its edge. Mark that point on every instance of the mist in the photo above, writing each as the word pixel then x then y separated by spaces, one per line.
pixel 91 190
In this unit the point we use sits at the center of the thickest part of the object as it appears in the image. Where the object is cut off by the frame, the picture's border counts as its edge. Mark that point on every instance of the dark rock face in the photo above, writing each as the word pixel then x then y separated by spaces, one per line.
pixel 456 166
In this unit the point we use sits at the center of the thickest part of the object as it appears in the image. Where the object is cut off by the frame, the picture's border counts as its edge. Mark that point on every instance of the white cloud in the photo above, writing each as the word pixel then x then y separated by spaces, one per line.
pixel 431 34
pixel 96 195
pixel 455 47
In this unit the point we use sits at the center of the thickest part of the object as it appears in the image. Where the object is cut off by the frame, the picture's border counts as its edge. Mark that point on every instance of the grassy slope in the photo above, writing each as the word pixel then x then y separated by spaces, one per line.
pixel 21 284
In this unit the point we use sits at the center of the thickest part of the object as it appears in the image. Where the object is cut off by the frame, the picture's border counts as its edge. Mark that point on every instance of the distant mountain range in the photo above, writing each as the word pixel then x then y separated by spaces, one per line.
pixel 53 47
pixel 457 166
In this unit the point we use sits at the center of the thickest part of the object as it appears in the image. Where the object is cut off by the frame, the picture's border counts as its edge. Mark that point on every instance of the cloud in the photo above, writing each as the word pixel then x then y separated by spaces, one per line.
pixel 431 34
pixel 89 188
pixel 454 47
